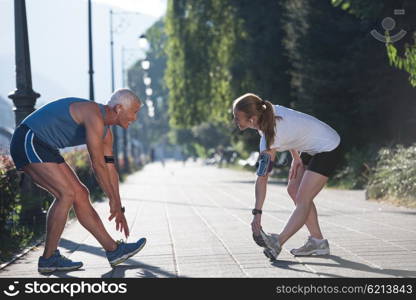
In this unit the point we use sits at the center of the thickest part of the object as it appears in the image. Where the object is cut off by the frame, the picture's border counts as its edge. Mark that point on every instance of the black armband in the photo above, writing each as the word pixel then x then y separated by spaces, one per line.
pixel 109 159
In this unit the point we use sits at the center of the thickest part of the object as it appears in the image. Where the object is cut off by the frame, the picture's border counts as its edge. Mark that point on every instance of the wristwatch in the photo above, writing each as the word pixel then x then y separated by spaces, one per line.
pixel 256 211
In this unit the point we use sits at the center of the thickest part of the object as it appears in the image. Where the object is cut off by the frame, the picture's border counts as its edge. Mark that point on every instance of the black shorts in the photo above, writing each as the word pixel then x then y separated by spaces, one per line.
pixel 323 163
pixel 27 148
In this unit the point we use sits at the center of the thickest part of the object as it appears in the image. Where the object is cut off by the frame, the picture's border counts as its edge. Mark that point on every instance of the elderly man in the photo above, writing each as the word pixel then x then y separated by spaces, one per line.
pixel 34 149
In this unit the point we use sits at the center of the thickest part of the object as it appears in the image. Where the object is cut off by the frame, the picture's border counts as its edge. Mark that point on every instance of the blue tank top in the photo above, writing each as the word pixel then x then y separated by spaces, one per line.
pixel 53 124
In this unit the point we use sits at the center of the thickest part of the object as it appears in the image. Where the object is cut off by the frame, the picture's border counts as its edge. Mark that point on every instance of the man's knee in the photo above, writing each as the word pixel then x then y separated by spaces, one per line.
pixel 66 195
pixel 82 193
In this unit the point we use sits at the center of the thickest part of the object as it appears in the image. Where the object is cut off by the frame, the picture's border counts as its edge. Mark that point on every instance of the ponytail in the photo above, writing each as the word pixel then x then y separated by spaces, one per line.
pixel 267 122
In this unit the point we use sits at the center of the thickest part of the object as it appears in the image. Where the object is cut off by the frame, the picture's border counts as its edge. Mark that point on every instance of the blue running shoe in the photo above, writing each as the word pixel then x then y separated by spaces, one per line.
pixel 57 262
pixel 124 251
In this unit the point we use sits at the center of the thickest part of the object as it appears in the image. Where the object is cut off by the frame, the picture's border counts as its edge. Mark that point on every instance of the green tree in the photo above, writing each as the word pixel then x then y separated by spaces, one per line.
pixel 371 10
pixel 218 50
pixel 341 75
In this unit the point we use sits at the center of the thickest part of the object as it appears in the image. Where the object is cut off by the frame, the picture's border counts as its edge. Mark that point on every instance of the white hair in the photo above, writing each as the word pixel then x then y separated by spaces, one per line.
pixel 125 97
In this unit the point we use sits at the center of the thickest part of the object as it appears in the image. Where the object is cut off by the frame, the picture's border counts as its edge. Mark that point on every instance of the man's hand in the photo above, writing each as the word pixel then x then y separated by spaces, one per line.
pixel 117 213
pixel 256 224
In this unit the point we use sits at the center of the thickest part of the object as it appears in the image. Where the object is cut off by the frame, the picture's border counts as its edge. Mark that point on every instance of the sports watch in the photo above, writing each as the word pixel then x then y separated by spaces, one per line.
pixel 256 211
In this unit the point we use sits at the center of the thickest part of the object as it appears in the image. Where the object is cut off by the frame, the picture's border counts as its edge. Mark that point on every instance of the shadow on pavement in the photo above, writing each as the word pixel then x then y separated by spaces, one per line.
pixel 64 274
pixel 342 263
pixel 248 210
pixel 400 212
pixel 72 247
pixel 252 182
pixel 146 271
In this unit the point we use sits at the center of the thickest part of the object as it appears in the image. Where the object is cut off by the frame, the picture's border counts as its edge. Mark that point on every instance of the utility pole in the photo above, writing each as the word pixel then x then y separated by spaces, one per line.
pixel 90 71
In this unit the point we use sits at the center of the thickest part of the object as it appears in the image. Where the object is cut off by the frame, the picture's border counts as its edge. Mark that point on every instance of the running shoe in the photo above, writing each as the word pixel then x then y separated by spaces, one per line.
pixel 124 251
pixel 274 243
pixel 312 247
pixel 57 262
pixel 270 243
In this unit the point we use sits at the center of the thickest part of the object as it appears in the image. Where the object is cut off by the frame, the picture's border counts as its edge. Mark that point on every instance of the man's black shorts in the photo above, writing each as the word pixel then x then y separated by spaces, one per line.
pixel 26 148
pixel 323 163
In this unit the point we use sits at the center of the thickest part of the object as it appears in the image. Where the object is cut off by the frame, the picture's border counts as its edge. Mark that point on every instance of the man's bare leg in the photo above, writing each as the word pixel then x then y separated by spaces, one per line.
pixel 86 213
pixel 58 179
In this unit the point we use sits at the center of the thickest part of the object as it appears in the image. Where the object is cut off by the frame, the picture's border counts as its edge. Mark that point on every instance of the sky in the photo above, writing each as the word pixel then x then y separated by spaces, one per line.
pixel 58 38
pixel 154 8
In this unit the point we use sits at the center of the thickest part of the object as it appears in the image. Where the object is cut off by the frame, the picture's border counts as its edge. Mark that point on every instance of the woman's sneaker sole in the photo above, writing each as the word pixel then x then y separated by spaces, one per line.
pixel 50 270
pixel 127 256
pixel 269 254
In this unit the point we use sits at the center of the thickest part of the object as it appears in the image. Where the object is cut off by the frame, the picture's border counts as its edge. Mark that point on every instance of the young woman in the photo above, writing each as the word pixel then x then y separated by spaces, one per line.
pixel 315 151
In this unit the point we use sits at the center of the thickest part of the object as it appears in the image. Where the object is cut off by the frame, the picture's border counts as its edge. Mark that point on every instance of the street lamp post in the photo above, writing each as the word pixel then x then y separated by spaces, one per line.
pixel 115 129
pixel 145 64
pixel 90 71
pixel 125 131
pixel 24 98
pixel 124 72
pixel 115 133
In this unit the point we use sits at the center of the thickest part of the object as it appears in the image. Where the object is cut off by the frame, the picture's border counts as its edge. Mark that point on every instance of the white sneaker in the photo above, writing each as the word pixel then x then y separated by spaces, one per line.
pixel 272 241
pixel 312 247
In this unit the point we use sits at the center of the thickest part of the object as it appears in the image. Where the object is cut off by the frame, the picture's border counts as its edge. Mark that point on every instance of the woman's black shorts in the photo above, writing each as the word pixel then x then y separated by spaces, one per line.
pixel 323 163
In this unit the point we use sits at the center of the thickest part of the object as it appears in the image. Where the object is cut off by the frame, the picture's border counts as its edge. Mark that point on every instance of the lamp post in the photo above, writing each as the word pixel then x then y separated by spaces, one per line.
pixel 145 64
pixel 112 31
pixel 115 135
pixel 144 46
pixel 24 98
pixel 90 70
pixel 124 81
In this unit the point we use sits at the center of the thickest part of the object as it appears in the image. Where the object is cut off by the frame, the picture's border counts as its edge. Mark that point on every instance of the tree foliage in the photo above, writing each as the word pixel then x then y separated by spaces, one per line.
pixel 312 55
pixel 218 50
pixel 375 10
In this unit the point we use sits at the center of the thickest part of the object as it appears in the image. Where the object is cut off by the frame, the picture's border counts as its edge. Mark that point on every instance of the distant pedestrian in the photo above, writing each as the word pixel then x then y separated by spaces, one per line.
pixel 152 155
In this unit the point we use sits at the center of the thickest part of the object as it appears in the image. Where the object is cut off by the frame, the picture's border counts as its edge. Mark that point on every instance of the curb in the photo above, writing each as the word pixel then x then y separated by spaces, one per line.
pixel 30 248
pixel 23 253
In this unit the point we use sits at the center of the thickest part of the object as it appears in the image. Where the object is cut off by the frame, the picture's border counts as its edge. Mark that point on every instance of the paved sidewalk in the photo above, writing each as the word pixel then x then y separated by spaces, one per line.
pixel 197 222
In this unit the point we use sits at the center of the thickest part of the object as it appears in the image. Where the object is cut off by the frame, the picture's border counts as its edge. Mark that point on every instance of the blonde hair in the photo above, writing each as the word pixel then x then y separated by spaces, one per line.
pixel 253 105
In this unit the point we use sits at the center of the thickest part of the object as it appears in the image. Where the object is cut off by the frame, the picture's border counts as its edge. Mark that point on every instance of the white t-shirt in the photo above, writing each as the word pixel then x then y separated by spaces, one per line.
pixel 301 132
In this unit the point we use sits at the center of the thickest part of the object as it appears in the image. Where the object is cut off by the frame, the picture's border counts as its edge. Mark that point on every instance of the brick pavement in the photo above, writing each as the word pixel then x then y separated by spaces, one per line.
pixel 197 222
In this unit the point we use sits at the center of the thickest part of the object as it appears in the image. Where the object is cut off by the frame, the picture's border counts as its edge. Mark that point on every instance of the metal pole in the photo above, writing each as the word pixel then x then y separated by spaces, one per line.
pixel 123 78
pixel 125 133
pixel 24 98
pixel 115 135
pixel 90 71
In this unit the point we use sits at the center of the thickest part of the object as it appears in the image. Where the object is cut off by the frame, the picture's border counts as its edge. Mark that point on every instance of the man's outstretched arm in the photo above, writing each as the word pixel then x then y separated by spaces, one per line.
pixel 114 178
pixel 94 126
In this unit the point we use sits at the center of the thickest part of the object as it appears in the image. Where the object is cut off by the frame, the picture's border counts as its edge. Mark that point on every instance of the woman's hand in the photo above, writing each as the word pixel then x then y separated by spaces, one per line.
pixel 256 224
pixel 296 164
